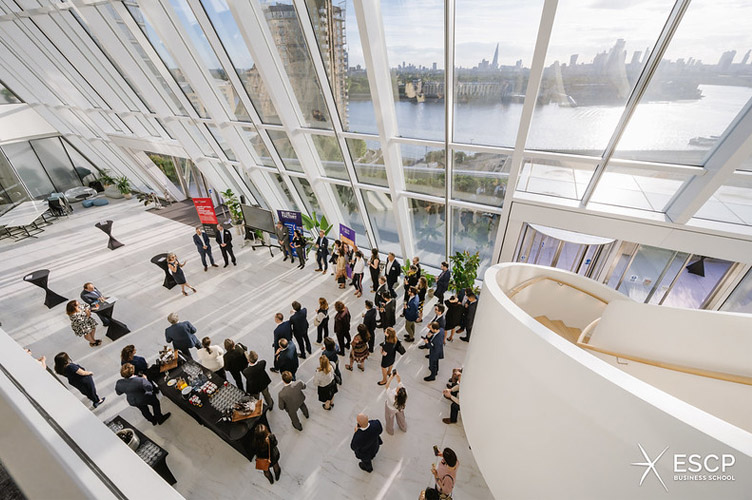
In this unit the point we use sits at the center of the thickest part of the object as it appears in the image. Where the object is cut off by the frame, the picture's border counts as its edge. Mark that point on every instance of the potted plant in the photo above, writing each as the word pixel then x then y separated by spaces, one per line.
pixel 464 271
pixel 124 186
pixel 233 205
pixel 106 179
pixel 147 198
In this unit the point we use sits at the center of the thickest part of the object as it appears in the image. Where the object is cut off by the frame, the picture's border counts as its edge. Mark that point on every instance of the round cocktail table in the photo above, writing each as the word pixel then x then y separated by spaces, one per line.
pixel 106 226
pixel 39 278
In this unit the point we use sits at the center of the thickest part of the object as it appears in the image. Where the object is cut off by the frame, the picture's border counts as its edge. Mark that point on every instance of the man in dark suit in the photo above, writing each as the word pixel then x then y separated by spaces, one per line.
pixel 435 342
pixel 442 282
pixel 285 359
pixel 392 271
pixel 92 296
pixel 257 380
pixel 201 240
pixel 472 305
pixel 369 319
pixel 439 318
pixel 322 252
pixel 366 441
pixel 182 335
pixel 381 291
pixel 224 238
pixel 299 324
pixel 140 393
pixel 282 331
pixel 292 398
pixel 283 238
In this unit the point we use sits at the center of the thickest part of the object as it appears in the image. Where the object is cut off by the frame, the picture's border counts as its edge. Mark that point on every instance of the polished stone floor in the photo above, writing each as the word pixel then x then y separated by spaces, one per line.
pixel 238 303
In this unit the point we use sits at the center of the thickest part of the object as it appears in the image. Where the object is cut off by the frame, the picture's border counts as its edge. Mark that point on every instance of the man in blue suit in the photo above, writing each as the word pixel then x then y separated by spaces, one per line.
pixel 140 393
pixel 201 240
pixel 435 341
pixel 182 335
pixel 286 359
pixel 283 331
pixel 366 441
pixel 442 282
pixel 411 313
pixel 322 251
pixel 299 324
pixel 92 296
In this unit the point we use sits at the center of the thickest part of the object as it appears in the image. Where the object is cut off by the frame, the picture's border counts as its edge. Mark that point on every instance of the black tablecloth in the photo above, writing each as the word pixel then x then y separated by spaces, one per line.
pixel 237 434
pixel 161 466
pixel 39 278
pixel 106 226
pixel 160 260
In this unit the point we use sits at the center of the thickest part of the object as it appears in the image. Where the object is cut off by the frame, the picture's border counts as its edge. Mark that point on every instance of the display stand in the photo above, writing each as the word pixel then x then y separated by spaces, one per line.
pixel 106 226
pixel 39 278
pixel 115 329
pixel 262 244
pixel 161 262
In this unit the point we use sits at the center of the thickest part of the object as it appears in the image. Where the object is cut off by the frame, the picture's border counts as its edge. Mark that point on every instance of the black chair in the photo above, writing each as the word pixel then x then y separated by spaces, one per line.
pixel 59 207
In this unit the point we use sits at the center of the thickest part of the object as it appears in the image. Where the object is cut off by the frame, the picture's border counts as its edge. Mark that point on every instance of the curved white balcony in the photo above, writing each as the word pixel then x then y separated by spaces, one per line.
pixel 558 406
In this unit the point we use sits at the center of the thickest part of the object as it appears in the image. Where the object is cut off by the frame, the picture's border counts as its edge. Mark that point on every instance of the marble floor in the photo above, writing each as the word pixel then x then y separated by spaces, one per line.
pixel 238 303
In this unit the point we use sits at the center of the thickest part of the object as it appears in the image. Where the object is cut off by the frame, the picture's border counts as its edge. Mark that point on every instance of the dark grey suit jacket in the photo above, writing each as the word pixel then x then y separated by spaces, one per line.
pixel 291 397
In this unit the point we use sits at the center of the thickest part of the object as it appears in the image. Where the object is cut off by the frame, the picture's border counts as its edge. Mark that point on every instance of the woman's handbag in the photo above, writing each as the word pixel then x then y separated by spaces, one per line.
pixel 400 348
pixel 264 463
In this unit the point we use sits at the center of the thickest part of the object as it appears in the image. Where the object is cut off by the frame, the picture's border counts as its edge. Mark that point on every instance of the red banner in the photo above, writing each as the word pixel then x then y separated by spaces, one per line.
pixel 205 210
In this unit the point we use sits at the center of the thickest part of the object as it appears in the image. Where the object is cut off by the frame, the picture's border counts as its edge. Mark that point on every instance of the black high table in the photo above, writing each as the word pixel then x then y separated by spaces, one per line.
pixel 106 226
pixel 39 278
pixel 161 262
pixel 159 464
pixel 115 329
pixel 239 435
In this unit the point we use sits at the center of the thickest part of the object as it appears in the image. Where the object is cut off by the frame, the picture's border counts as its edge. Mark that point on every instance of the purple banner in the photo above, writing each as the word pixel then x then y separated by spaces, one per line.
pixel 347 235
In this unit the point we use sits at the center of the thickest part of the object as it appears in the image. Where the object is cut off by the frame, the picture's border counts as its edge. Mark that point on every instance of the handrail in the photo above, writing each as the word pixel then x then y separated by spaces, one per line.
pixel 514 291
pixel 586 332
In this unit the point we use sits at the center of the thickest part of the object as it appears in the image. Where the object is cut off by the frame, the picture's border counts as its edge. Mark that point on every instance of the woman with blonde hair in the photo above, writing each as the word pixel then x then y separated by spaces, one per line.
pixel 324 380
pixel 82 323
pixel 340 272
pixel 176 269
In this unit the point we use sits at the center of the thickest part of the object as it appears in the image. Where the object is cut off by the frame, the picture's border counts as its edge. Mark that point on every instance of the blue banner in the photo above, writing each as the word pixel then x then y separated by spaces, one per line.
pixel 293 220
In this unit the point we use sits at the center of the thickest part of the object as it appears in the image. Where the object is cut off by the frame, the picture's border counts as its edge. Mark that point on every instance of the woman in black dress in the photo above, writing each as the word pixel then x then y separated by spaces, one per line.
pixel 373 266
pixel 176 269
pixel 388 354
pixel 453 315
pixel 265 446
pixel 326 382
pixel 342 326
pixel 322 320
pixel 299 244
pixel 77 377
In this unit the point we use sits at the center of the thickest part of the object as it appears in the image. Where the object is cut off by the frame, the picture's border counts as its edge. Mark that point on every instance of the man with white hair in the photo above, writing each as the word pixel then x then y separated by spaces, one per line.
pixel 182 334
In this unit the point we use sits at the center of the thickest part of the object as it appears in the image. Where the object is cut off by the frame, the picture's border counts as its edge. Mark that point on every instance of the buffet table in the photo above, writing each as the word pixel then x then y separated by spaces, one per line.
pixel 237 434
pixel 150 452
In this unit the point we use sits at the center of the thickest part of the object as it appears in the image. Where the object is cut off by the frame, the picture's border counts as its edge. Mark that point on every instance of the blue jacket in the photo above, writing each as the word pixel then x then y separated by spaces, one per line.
pixel 182 335
pixel 287 360
pixel 436 346
pixel 138 363
pixel 442 282
pixel 136 389
pixel 283 331
pixel 413 305
pixel 365 443
pixel 299 323
pixel 200 244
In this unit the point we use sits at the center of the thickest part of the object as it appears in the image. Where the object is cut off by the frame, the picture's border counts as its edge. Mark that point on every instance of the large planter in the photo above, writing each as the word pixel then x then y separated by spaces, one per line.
pixel 113 192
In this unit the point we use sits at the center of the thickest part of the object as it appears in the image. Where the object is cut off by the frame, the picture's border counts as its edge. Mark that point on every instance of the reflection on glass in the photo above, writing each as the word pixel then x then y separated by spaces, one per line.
pixel 6 96
pixel 209 59
pixel 428 221
pixel 740 300
pixel 82 165
pixel 493 48
pixel 475 232
pixel 234 44
pixel 381 215
pixel 166 57
pixel 331 156
pixel 368 161
pixel 561 178
pixel 645 269
pixel 588 79
pixel 252 136
pixel 424 168
pixel 12 191
pixel 222 143
pixel 286 195
pixel 56 163
pixel 351 214
pixel 669 274
pixel 638 188
pixel 731 202
pixel 696 92
pixel 307 195
pixel 338 39
pixel 287 34
pixel 285 150
pixel 166 164
pixel 201 141
pixel 414 36
pixel 29 168
pixel 480 177
pixel 696 282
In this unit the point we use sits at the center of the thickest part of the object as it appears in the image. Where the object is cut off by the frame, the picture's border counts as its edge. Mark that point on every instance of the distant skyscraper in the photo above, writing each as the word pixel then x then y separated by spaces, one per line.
pixel 433 66
pixel 726 59
pixel 573 60
pixel 746 57
pixel 495 61
pixel 636 58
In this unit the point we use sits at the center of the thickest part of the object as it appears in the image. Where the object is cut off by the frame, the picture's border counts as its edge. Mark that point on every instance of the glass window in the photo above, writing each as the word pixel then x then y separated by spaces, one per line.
pixel 429 229
pixel 222 142
pixel 28 167
pixel 257 198
pixel 414 35
pixel 286 195
pixel 166 164
pixel 331 156
pixel 12 191
pixel 588 79
pixel 740 300
pixel 696 282
pixel 287 34
pixel 56 162
pixel 252 136
pixel 368 161
pixel 561 178
pixel 695 93
pixel 645 269
pixel 381 215
pixel 201 141
pixel 480 177
pixel 669 274
pixel 638 188
pixel 475 232
pixel 209 59
pixel 424 168
pixel 237 50
pixel 6 96
pixel 351 214
pixel 731 202
pixel 167 58
pixel 285 150
pixel 338 38
pixel 82 164
pixel 306 193
pixel 493 48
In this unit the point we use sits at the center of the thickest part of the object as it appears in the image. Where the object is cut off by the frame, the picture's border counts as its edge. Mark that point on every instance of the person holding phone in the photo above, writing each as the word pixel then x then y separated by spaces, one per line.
pixel 394 405
pixel 445 474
